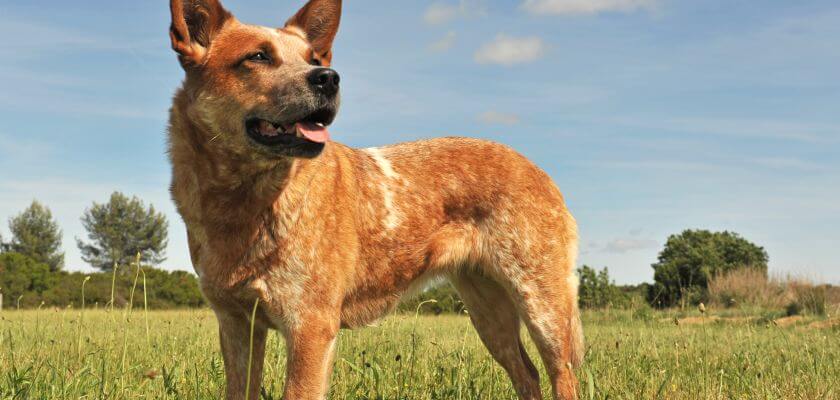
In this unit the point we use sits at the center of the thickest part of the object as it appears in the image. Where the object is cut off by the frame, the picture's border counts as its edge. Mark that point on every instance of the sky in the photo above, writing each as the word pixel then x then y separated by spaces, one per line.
pixel 652 116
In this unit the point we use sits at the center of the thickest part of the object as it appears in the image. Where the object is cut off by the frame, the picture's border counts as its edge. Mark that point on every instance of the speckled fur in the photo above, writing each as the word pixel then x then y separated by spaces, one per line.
pixel 335 240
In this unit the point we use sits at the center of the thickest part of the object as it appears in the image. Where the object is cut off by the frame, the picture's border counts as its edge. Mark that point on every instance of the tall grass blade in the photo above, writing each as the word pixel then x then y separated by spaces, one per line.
pixel 251 350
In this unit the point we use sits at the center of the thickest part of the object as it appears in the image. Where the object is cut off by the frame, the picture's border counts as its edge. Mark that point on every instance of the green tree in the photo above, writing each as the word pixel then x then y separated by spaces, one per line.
pixel 690 259
pixel 24 278
pixel 121 229
pixel 36 235
pixel 597 290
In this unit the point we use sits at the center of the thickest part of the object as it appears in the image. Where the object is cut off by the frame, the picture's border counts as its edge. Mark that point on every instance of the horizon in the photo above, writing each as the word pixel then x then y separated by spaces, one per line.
pixel 652 116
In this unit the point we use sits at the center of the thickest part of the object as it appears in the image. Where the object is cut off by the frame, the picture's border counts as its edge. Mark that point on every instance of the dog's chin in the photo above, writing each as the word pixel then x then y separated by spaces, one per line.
pixel 303 137
pixel 286 146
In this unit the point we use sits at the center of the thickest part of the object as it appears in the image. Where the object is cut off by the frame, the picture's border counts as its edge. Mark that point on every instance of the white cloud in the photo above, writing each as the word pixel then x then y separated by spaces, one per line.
pixel 445 43
pixel 441 12
pixel 509 50
pixel 498 118
pixel 585 7
pixel 624 245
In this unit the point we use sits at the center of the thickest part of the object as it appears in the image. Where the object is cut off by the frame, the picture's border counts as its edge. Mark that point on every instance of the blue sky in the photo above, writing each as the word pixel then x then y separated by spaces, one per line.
pixel 652 116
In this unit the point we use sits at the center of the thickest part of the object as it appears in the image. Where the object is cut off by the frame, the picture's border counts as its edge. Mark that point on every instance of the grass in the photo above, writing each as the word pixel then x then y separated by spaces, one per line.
pixel 64 354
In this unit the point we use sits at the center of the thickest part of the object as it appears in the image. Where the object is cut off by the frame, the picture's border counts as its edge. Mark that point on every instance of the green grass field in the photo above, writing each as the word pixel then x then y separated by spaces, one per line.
pixel 61 354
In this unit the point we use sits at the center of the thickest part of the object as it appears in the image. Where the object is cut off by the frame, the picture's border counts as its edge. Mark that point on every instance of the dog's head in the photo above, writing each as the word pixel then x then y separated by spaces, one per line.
pixel 259 90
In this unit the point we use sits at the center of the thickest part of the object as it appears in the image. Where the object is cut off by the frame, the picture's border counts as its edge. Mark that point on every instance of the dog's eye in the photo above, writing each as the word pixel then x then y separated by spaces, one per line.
pixel 259 57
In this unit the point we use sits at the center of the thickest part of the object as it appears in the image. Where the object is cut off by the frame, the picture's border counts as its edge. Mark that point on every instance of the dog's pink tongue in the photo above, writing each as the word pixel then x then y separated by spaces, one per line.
pixel 313 132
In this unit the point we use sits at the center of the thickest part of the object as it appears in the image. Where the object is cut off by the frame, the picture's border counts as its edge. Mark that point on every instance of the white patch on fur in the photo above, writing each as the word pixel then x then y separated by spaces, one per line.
pixel 271 30
pixel 328 360
pixel 392 219
pixel 296 30
pixel 573 253
pixel 382 162
pixel 573 281
pixel 291 291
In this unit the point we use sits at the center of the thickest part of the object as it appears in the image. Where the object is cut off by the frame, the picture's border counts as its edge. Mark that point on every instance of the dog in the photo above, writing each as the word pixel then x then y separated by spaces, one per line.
pixel 289 230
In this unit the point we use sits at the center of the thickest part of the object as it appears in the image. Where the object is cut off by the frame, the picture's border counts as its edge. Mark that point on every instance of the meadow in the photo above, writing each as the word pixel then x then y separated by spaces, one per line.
pixel 120 354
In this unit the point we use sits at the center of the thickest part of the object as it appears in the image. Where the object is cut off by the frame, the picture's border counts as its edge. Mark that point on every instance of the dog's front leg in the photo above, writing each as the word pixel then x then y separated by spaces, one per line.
pixel 311 351
pixel 235 336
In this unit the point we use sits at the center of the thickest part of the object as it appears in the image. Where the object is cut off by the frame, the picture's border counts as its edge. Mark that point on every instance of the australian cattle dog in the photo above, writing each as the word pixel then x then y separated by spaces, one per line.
pixel 311 236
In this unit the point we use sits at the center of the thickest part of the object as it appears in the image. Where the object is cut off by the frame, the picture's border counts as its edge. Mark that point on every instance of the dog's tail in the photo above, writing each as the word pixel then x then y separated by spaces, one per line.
pixel 576 339
pixel 575 332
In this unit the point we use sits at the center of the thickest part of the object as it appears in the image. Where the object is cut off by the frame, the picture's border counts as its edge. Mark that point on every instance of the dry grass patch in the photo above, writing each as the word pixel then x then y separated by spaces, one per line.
pixel 698 320
pixel 752 288
pixel 788 321
pixel 827 324
pixel 748 286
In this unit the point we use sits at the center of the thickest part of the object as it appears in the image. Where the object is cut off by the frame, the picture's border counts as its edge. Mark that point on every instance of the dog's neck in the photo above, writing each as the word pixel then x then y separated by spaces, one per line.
pixel 238 203
pixel 219 187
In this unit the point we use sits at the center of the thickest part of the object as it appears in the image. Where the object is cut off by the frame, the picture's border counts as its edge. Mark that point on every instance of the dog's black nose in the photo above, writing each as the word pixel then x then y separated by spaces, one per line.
pixel 324 80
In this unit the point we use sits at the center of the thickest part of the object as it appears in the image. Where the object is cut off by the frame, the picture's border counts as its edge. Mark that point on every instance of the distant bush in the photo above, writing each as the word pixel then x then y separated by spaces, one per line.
pixel 173 288
pixel 434 300
pixel 34 284
pixel 689 260
pixel 23 280
pixel 643 312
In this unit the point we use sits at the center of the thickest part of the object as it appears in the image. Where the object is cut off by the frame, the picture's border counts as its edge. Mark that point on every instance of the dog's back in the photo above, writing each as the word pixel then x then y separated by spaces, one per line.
pixel 472 211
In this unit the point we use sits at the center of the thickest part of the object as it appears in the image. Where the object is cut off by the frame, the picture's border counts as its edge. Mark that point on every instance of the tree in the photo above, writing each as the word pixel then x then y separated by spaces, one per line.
pixel 36 235
pixel 121 229
pixel 690 259
pixel 597 290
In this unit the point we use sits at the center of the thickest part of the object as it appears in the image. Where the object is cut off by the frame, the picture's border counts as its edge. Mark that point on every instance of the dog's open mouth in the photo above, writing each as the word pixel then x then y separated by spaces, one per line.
pixel 312 128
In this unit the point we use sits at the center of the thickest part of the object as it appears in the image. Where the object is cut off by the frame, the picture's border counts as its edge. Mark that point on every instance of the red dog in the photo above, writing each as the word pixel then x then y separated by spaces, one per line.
pixel 323 236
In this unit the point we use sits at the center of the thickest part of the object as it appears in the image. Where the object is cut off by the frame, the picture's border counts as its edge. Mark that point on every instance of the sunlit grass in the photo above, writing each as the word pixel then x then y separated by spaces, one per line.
pixel 47 354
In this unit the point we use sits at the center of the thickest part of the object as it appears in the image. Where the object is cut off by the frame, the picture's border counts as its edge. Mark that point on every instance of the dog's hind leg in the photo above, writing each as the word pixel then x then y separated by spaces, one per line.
pixel 495 318
pixel 548 305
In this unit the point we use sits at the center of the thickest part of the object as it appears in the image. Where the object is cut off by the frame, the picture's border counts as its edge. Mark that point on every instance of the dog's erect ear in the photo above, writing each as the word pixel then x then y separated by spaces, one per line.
pixel 194 24
pixel 319 21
